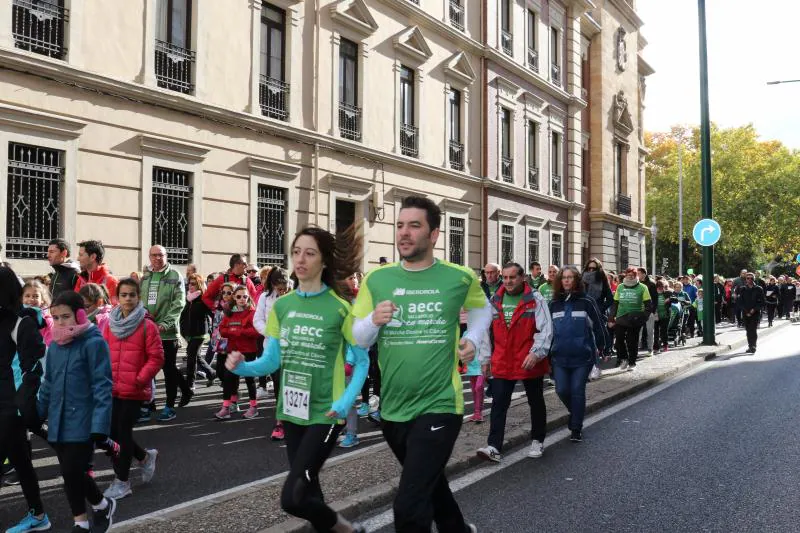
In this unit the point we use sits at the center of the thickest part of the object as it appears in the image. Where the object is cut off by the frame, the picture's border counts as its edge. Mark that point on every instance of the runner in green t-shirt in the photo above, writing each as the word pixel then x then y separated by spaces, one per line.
pixel 411 309
pixel 308 333
pixel 546 288
pixel 632 297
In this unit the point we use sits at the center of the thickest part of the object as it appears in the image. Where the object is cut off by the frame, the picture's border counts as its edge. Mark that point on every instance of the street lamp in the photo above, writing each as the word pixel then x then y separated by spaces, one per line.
pixel 653 232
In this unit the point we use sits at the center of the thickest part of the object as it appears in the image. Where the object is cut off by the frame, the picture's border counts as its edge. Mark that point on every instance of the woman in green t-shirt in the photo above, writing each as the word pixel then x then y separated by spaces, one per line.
pixel 628 314
pixel 309 332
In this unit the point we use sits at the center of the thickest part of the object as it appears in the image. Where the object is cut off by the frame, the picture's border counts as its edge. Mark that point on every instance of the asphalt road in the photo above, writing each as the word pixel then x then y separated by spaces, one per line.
pixel 715 451
pixel 198 456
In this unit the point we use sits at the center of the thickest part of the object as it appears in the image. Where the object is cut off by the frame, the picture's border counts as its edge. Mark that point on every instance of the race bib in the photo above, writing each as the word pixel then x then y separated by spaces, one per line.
pixel 152 294
pixel 296 394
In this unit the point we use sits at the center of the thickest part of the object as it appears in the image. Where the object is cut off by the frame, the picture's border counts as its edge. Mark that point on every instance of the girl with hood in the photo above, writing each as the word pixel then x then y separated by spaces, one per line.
pixel 75 398
pixel 36 297
pixel 137 355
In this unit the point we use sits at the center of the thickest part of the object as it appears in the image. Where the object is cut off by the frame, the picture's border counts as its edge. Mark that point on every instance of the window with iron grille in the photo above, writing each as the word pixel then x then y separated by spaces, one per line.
pixel 35 178
pixel 174 57
pixel 624 253
pixel 506 37
pixel 533 155
pixel 555 164
pixel 533 246
pixel 172 196
pixel 349 112
pixel 409 133
pixel 456 240
pixel 507 162
pixel 39 26
pixel 533 53
pixel 506 244
pixel 273 91
pixel 271 248
pixel 457 14
pixel 555 57
pixel 556 249
pixel 456 148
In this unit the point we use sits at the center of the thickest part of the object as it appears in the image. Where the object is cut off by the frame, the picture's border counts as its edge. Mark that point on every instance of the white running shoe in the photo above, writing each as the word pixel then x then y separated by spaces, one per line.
pixel 149 466
pixel 489 453
pixel 118 489
pixel 537 449
pixel 261 393
pixel 623 366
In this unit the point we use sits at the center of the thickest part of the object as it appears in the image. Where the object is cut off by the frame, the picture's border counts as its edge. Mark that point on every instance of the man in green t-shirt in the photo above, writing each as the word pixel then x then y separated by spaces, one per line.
pixel 411 309
pixel 631 307
pixel 535 279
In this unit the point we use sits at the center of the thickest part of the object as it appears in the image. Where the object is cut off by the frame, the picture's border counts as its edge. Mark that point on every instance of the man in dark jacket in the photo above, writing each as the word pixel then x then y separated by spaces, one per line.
pixel 751 301
pixel 738 283
pixel 787 296
pixel 648 332
pixel 65 270
pixel 719 298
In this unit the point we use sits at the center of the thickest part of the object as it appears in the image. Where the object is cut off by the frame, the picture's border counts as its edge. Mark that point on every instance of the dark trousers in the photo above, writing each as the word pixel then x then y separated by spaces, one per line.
pixel 627 344
pixel 787 308
pixel 738 315
pixel 771 312
pixel 14 445
pixel 74 458
pixel 661 340
pixel 718 312
pixel 230 382
pixel 374 376
pixel 571 390
pixel 123 417
pixel 692 320
pixel 501 401
pixel 751 327
pixel 423 446
pixel 173 378
pixel 308 447
pixel 193 359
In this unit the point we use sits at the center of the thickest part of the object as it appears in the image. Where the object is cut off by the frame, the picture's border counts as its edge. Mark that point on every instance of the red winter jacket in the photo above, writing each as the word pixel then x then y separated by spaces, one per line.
pixel 101 276
pixel 135 360
pixel 513 342
pixel 239 330
pixel 211 295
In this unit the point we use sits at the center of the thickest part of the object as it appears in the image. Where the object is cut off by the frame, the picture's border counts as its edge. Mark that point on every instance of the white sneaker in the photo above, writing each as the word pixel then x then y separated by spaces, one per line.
pixel 118 489
pixel 149 466
pixel 623 366
pixel 490 453
pixel 537 449
pixel 261 393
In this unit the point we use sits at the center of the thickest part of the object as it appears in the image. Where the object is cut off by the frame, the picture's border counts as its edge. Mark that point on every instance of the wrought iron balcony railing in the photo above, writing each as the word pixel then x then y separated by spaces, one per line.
pixel 175 67
pixel 555 74
pixel 350 121
pixel 623 205
pixel 40 27
pixel 456 155
pixel 507 43
pixel 533 60
pixel 273 95
pixel 556 185
pixel 457 14
pixel 533 178
pixel 507 169
pixel 409 140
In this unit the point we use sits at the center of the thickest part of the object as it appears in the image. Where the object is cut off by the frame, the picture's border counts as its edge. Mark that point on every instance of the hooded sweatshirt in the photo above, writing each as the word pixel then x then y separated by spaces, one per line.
pixel 65 276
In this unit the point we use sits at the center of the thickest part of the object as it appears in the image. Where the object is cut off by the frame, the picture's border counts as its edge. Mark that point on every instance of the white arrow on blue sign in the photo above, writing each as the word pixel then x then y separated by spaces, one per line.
pixel 798 258
pixel 707 232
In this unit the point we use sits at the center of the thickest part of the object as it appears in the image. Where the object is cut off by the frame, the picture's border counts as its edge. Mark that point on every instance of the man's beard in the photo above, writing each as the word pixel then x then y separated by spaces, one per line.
pixel 416 254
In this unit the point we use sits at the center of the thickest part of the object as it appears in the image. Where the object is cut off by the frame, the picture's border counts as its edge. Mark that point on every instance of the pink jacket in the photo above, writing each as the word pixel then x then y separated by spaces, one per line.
pixel 135 360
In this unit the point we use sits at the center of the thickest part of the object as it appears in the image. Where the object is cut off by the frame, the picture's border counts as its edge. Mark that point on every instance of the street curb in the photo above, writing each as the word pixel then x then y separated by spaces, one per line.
pixel 380 495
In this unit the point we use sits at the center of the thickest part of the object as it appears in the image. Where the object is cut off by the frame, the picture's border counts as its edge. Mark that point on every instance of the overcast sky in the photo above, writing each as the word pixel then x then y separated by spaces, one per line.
pixel 749 43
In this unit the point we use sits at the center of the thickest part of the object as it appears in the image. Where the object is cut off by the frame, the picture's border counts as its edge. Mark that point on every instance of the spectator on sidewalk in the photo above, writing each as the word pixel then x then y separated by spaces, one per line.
pixel 492 283
pixel 93 270
pixel 579 337
pixel 719 298
pixel 235 275
pixel 163 298
pixel 523 331
pixel 65 270
pixel 751 300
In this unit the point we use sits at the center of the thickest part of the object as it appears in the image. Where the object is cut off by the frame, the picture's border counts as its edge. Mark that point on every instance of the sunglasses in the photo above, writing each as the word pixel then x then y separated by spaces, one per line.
pixel 252 271
pixel 241 297
pixel 227 293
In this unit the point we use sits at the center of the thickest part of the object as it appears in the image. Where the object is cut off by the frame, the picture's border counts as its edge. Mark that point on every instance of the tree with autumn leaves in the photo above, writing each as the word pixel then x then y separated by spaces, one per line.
pixel 756 198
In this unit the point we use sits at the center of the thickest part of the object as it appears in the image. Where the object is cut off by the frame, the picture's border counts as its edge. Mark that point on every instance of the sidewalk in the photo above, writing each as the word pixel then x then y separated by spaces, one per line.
pixel 360 482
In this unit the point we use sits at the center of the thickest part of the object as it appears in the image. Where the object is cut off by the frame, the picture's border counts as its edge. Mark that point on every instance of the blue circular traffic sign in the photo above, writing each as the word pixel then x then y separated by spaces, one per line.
pixel 797 258
pixel 707 232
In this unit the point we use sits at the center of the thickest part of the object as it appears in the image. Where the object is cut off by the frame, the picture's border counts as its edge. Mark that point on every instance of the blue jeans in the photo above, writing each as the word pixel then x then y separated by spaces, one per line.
pixel 571 389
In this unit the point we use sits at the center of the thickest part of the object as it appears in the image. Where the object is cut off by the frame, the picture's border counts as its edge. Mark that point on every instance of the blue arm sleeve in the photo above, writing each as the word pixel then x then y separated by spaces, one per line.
pixel 102 385
pixel 361 367
pixel 269 362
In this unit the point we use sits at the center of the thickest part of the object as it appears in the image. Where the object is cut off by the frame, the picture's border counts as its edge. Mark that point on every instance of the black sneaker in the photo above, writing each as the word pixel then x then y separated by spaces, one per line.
pixel 750 350
pixel 186 397
pixel 102 519
pixel 576 436
pixel 10 476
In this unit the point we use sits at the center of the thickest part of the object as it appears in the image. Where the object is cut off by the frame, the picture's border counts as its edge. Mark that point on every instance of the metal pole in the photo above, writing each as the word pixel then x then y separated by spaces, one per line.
pixel 653 244
pixel 680 208
pixel 705 176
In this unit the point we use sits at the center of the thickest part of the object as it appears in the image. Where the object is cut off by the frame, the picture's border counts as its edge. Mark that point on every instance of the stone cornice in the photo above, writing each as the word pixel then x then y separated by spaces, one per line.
pixel 163 146
pixel 55 126
pixel 528 75
pixel 398 193
pixel 264 167
pixel 604 216
pixel 67 74
pixel 337 182
pixel 452 205
pixel 527 193
pixel 627 12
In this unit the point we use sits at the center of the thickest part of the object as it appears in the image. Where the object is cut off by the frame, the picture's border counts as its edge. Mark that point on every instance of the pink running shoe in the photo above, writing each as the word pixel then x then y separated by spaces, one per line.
pixel 251 412
pixel 223 414
pixel 277 432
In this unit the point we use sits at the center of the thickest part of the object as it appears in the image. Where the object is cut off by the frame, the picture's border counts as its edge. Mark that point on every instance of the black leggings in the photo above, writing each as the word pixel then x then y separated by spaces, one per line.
pixel 173 378
pixel 374 376
pixel 15 446
pixel 193 359
pixel 771 312
pixel 230 382
pixel 74 459
pixel 123 417
pixel 308 447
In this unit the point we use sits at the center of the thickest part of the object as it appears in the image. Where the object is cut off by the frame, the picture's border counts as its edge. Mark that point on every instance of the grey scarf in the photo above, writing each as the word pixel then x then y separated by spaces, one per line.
pixel 122 328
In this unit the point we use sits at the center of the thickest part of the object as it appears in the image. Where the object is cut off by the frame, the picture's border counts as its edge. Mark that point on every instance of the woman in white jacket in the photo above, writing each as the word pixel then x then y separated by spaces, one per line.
pixel 275 286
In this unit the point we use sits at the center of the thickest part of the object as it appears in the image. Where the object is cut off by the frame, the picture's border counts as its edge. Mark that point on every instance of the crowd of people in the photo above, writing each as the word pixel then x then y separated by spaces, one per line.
pixel 81 350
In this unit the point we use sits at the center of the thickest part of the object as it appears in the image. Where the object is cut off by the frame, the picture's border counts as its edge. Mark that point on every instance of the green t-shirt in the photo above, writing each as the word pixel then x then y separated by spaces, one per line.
pixel 698 305
pixel 493 288
pixel 546 290
pixel 631 299
pixel 418 349
pixel 510 302
pixel 313 332
pixel 663 312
